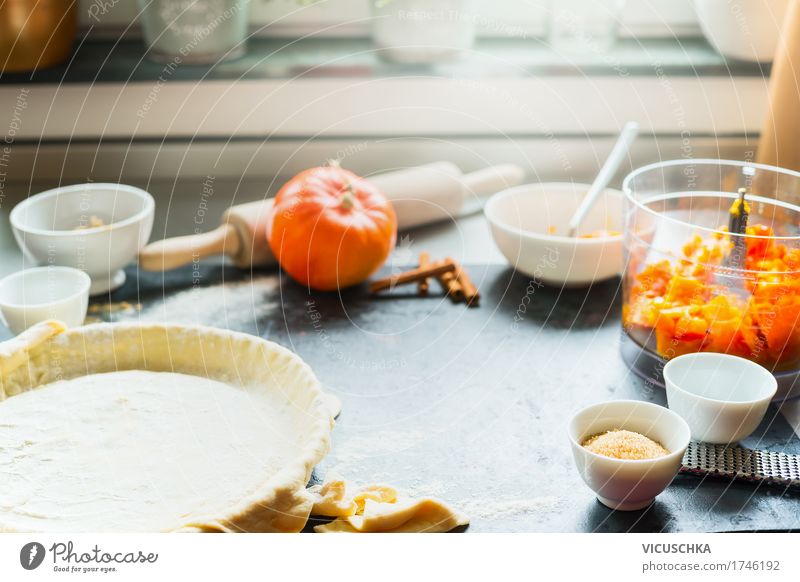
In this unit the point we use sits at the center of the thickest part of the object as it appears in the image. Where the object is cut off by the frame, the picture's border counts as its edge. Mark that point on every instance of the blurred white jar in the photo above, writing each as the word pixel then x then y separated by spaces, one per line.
pixel 423 31
pixel 194 31
pixel 747 30
pixel 584 26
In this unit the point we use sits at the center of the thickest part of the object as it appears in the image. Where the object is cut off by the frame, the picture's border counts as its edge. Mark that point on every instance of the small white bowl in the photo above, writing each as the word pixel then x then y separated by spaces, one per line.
pixel 45 226
pixel 35 295
pixel 624 484
pixel 526 221
pixel 723 398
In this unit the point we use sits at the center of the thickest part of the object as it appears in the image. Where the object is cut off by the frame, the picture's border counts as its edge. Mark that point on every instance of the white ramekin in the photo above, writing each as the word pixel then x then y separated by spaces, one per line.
pixel 722 398
pixel 34 295
pixel 625 484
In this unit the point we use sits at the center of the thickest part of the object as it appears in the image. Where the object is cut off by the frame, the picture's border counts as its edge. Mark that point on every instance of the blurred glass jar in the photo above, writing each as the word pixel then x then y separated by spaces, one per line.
pixel 36 34
pixel 194 31
pixel 584 26
pixel 423 31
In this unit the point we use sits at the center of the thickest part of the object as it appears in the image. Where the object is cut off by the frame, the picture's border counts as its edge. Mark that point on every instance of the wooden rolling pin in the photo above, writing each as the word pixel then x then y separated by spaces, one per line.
pixel 420 196
pixel 780 135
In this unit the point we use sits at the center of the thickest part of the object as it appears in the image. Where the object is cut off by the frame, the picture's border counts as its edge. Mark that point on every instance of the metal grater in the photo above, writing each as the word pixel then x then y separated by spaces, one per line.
pixel 734 462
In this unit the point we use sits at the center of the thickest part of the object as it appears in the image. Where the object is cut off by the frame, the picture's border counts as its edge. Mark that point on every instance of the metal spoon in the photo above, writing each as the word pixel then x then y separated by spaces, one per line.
pixel 612 164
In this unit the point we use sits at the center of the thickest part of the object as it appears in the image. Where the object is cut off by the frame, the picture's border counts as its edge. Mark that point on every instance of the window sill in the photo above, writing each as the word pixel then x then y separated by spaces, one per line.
pixel 338 89
pixel 109 61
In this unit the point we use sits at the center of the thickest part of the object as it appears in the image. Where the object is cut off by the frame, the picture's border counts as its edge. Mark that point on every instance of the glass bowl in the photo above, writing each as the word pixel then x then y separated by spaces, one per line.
pixel 692 285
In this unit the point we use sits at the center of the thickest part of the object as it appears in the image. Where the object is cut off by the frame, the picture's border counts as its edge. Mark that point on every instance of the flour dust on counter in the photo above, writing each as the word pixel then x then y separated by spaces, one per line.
pixel 491 508
pixel 485 505
pixel 237 305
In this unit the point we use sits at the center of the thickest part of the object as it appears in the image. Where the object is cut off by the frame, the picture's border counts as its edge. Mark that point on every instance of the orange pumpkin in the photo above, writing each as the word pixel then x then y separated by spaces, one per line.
pixel 331 229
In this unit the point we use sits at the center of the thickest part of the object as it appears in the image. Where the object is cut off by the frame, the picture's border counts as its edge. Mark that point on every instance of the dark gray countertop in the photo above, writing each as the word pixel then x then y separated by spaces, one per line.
pixel 463 404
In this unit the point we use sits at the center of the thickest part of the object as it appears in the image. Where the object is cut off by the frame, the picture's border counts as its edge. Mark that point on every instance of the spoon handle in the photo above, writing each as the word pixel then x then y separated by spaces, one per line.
pixel 610 167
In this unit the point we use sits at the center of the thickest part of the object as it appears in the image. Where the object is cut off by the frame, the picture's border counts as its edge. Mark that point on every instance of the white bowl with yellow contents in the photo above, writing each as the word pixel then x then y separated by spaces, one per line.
pixel 529 224
pixel 97 228
pixel 628 484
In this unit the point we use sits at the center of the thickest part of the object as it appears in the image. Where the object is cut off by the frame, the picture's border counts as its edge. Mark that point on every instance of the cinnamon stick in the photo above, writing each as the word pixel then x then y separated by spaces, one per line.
pixel 424 263
pixel 412 276
pixel 471 294
pixel 451 285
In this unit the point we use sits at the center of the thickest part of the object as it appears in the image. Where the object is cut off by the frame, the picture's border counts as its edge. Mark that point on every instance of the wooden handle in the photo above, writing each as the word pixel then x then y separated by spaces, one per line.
pixel 778 145
pixel 175 252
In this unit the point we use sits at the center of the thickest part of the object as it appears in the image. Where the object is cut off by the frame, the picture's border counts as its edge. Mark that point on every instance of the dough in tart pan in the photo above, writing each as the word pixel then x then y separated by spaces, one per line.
pixel 140 428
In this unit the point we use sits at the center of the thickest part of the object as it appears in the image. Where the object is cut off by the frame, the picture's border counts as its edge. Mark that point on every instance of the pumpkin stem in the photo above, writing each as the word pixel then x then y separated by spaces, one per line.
pixel 348 199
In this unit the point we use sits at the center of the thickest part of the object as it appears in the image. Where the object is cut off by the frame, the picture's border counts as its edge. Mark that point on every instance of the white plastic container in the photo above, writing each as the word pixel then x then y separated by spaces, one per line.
pixel 34 295
pixel 722 398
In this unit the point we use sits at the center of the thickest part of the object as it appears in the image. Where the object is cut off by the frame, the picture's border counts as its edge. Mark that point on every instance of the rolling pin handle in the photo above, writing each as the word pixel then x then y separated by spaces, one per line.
pixel 176 252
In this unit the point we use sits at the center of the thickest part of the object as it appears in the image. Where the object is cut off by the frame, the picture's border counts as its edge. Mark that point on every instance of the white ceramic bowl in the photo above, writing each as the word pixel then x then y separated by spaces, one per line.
pixel 523 219
pixel 625 484
pixel 35 295
pixel 45 228
pixel 723 398
pixel 747 30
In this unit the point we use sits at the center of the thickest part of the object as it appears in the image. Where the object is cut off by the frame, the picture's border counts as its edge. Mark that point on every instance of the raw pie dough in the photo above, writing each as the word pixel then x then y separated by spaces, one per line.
pixel 156 428
pixel 380 509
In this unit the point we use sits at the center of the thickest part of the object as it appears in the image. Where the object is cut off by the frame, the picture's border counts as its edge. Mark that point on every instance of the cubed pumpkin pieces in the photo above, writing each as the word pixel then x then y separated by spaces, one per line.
pixel 653 280
pixel 679 331
pixel 778 326
pixel 690 310
pixel 685 290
